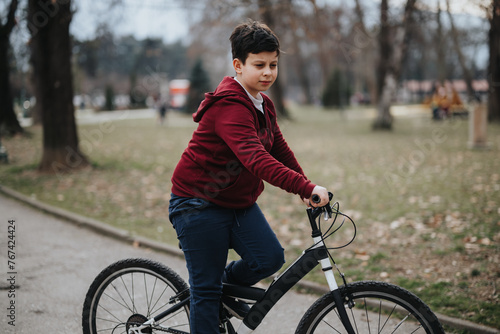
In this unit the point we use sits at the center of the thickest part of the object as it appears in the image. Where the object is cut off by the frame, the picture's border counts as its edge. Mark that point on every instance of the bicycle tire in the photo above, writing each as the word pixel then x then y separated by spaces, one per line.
pixel 379 308
pixel 132 290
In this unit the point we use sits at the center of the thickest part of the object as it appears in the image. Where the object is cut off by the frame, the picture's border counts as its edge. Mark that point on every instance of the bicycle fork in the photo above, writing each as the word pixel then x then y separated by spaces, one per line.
pixel 327 268
pixel 325 263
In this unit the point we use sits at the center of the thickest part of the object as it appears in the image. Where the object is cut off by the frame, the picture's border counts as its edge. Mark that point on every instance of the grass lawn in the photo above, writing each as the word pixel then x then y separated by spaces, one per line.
pixel 426 207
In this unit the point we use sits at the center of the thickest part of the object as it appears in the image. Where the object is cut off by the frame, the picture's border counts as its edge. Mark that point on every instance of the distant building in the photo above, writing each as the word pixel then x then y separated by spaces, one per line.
pixel 178 92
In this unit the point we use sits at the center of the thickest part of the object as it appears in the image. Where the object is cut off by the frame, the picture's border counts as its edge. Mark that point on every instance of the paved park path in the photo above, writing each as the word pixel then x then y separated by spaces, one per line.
pixel 55 262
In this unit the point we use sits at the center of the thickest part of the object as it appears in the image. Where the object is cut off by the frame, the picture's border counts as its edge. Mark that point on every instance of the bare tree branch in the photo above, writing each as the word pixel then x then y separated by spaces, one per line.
pixel 393 43
pixel 11 18
pixel 361 17
pixel 265 8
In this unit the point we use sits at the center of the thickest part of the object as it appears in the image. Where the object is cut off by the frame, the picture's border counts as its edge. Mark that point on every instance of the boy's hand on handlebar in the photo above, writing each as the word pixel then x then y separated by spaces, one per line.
pixel 318 192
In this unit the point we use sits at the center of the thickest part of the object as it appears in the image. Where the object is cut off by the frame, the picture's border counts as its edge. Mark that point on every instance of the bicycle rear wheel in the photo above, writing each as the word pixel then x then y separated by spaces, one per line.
pixel 379 308
pixel 130 291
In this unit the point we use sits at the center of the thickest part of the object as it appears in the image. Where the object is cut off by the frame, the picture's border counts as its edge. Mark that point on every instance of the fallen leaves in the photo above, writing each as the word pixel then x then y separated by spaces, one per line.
pixel 474 243
pixel 361 255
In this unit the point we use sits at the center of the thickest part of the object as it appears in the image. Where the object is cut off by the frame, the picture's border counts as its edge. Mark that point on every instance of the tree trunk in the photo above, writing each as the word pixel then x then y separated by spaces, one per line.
pixel 276 89
pixel 384 117
pixel 8 120
pixel 303 78
pixel 369 77
pixel 300 63
pixel 440 48
pixel 494 64
pixel 461 58
pixel 384 94
pixel 393 42
pixel 49 22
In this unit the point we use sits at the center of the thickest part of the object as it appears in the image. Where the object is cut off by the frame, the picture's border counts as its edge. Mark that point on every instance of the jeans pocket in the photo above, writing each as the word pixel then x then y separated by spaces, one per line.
pixel 185 208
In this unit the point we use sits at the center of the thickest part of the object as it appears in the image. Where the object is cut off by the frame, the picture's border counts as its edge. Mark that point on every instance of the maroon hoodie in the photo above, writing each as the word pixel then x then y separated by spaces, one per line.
pixel 234 148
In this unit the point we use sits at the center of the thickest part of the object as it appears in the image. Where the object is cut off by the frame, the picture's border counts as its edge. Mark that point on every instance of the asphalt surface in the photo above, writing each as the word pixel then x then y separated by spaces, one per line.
pixel 54 262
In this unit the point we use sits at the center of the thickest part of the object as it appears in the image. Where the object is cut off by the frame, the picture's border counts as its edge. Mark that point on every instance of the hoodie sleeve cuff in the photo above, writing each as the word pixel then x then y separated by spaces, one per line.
pixel 308 190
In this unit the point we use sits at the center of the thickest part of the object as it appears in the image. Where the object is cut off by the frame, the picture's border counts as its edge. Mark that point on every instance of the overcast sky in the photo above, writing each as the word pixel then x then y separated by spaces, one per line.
pixel 170 20
pixel 141 18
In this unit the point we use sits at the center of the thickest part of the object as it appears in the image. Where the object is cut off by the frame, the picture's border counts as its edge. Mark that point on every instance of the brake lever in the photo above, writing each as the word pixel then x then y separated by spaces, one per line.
pixel 328 212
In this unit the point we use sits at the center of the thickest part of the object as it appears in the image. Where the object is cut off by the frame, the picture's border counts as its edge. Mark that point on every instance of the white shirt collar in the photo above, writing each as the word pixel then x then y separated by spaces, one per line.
pixel 257 102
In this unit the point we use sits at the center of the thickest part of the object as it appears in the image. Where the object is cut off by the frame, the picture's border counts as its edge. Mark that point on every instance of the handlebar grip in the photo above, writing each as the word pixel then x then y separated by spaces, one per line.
pixel 315 198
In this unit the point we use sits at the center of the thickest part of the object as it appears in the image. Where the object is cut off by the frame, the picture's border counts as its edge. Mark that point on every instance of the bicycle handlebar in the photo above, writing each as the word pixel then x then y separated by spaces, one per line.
pixel 314 213
pixel 315 198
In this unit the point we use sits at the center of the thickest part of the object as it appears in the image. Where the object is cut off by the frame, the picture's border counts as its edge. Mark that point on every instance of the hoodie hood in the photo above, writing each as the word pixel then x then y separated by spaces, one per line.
pixel 227 87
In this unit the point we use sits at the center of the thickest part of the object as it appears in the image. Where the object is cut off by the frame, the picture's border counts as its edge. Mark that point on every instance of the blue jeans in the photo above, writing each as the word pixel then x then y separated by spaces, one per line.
pixel 206 233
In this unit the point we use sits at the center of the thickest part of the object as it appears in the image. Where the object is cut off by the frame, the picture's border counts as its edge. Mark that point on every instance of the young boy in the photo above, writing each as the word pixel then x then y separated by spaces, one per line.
pixel 236 146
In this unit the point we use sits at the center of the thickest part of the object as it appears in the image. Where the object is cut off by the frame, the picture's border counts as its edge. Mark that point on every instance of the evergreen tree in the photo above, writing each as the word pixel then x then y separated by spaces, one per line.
pixel 337 90
pixel 110 98
pixel 137 95
pixel 199 85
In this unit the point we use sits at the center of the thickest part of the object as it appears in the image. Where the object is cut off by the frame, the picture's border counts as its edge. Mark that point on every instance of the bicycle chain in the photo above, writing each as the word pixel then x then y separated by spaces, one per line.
pixel 167 330
pixel 163 329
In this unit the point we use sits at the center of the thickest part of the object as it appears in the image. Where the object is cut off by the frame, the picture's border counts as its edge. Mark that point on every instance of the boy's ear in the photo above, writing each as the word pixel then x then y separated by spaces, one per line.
pixel 237 64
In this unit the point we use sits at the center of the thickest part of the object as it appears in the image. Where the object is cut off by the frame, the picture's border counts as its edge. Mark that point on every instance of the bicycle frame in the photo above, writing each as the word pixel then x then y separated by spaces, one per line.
pixel 266 299
pixel 292 275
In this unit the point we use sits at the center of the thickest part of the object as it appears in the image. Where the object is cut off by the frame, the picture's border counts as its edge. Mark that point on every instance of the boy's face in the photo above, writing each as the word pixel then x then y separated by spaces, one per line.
pixel 259 71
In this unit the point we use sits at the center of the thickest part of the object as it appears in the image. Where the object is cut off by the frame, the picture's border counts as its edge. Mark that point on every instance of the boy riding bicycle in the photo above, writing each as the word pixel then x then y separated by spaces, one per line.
pixel 220 175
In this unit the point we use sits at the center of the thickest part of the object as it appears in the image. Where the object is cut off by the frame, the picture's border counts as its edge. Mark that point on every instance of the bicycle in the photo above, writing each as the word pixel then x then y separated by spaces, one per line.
pixel 141 296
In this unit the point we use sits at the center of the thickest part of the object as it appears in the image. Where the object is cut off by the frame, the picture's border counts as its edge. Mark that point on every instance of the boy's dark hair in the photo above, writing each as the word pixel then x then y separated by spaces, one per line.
pixel 253 37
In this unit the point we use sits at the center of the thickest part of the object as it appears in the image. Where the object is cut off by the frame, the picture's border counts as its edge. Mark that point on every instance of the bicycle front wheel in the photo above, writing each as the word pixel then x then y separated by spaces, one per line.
pixel 378 308
pixel 129 292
